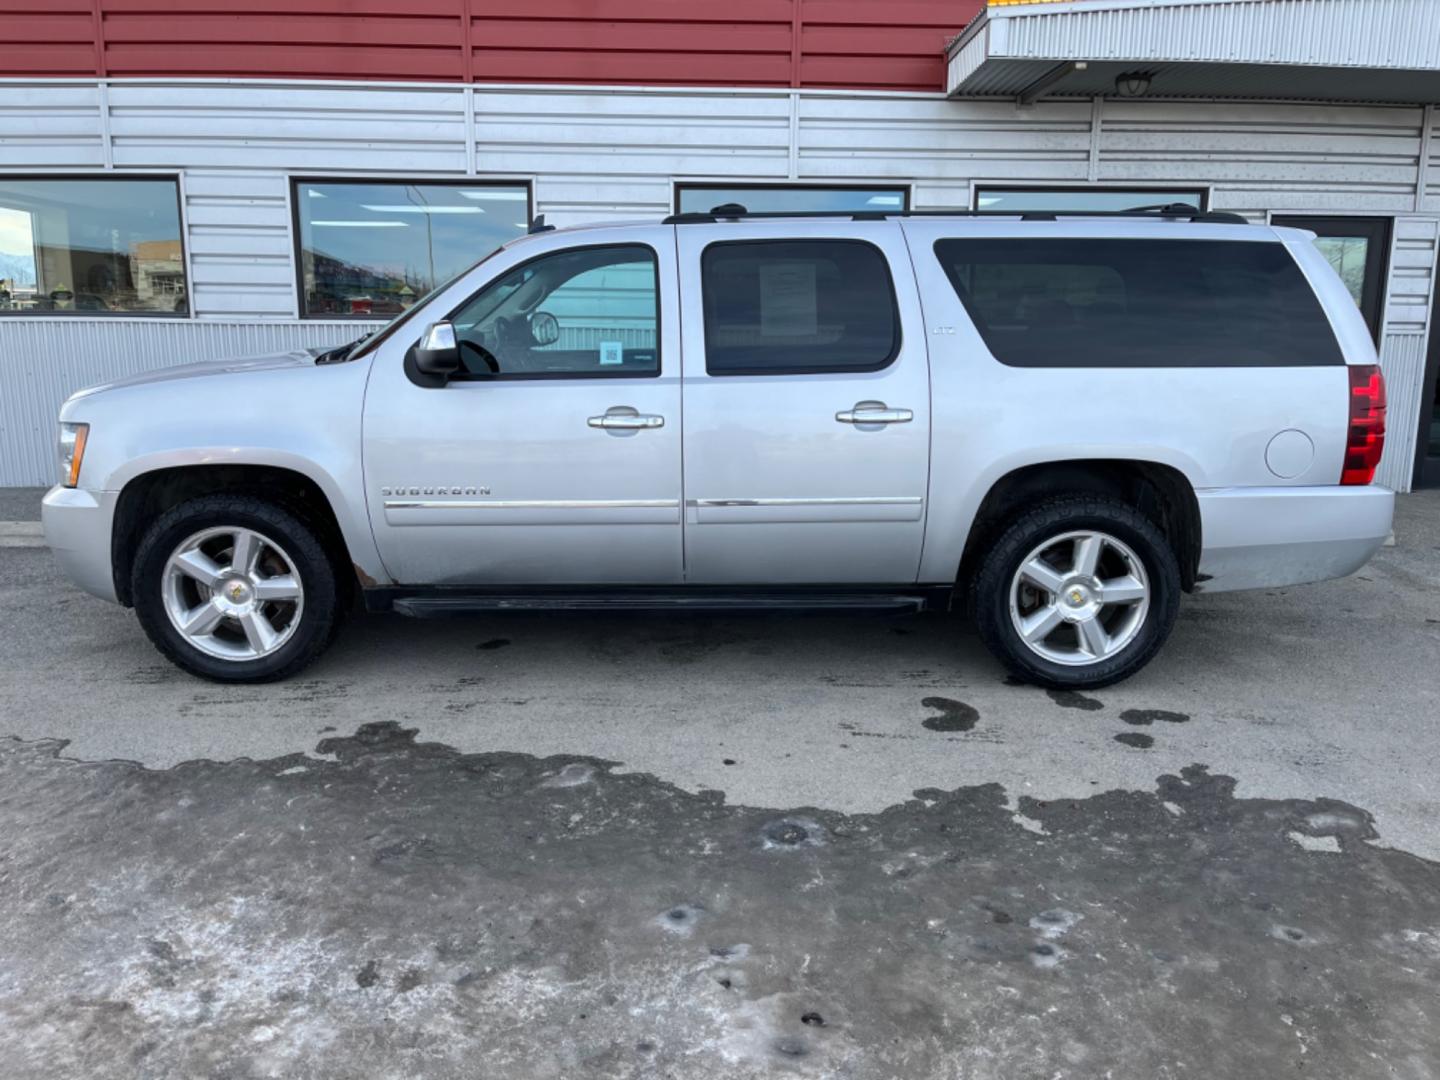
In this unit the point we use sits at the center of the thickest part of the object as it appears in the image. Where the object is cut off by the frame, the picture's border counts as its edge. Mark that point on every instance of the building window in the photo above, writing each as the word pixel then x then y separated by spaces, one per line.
pixel 790 198
pixel 82 246
pixel 374 247
pixel 797 307
pixel 1359 250
pixel 1021 200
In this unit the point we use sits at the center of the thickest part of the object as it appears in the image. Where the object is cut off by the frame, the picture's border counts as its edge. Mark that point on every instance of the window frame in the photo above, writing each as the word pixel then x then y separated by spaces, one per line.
pixel 178 179
pixel 978 322
pixel 976 189
pixel 1377 228
pixel 904 189
pixel 897 341
pixel 297 238
pixel 566 376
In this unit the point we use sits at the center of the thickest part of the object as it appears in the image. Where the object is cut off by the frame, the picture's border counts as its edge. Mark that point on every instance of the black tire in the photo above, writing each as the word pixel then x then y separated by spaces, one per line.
pixel 319 616
pixel 990 591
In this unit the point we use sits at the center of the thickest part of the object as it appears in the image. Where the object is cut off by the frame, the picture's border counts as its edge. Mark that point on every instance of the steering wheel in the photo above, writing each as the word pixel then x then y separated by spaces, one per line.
pixel 485 355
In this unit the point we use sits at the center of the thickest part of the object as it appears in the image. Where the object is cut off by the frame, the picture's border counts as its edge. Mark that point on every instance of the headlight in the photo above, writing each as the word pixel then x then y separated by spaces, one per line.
pixel 72 451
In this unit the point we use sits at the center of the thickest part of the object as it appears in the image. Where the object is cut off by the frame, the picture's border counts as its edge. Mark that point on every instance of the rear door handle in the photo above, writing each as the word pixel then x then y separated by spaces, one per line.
pixel 874 412
pixel 626 421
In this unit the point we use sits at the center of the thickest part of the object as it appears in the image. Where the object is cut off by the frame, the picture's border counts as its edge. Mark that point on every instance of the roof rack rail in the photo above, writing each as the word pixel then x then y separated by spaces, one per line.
pixel 1167 212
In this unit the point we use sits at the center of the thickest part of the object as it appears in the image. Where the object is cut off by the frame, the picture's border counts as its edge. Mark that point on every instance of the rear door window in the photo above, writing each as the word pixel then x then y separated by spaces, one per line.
pixel 778 307
pixel 1076 302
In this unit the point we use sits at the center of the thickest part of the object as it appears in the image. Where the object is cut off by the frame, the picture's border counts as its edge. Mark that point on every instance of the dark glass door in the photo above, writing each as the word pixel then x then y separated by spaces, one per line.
pixel 1359 250
pixel 1427 453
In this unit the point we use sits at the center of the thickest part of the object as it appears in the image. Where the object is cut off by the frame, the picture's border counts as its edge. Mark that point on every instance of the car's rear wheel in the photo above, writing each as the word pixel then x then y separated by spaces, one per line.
pixel 235 589
pixel 1078 592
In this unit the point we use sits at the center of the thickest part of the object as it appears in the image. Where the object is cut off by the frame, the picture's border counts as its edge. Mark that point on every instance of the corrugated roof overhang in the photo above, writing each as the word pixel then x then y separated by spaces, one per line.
pixel 1316 50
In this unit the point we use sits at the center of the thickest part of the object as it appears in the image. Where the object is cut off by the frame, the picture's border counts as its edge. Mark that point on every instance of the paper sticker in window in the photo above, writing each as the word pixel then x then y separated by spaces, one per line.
pixel 788 302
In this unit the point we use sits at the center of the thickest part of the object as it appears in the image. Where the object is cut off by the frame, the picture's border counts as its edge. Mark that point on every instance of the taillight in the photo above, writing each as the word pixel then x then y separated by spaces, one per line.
pixel 1365 441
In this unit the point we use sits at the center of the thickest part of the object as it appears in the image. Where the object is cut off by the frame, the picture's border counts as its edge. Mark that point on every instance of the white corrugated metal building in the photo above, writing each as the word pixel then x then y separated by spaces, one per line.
pixel 1319 110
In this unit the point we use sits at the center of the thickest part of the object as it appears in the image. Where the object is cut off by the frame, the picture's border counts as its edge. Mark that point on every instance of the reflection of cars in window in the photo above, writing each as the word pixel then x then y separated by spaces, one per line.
pixel 1059 426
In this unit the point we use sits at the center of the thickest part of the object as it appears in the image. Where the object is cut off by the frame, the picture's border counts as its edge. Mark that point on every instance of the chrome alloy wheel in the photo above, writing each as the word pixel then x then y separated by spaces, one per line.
pixel 1079 598
pixel 233 593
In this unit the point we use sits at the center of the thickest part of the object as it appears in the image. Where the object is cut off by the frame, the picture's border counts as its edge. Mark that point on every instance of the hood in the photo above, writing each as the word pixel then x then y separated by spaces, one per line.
pixel 297 358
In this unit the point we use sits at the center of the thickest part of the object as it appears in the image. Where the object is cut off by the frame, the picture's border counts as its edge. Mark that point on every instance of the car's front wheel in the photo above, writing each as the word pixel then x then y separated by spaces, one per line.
pixel 1078 592
pixel 235 589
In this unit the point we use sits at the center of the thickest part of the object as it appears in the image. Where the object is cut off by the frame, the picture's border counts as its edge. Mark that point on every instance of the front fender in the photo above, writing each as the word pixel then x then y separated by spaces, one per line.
pixel 305 419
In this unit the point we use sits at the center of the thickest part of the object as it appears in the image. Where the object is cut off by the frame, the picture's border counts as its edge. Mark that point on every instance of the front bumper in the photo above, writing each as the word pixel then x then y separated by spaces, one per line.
pixel 1255 538
pixel 77 528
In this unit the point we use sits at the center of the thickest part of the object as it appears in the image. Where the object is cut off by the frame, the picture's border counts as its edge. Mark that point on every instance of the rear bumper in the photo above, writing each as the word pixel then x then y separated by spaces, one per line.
pixel 77 528
pixel 1255 538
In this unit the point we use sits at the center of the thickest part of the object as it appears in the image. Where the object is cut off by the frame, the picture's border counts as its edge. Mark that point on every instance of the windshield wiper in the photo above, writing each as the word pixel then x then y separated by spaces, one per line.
pixel 340 353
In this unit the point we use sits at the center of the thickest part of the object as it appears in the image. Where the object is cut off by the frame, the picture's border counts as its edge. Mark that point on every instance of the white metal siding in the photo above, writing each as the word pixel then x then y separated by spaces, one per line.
pixel 1402 358
pixel 1430 182
pixel 615 153
pixel 1324 33
pixel 1343 159
pixel 1404 349
pixel 195 125
pixel 44 361
pixel 44 126
pixel 940 145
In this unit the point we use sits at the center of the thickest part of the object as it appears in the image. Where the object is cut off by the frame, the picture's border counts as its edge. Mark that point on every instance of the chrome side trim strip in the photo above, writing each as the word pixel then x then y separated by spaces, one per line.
pixel 531 504
pixel 877 500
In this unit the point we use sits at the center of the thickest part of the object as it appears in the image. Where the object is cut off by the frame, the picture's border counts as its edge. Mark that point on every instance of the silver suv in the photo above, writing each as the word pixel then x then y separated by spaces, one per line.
pixel 1059 423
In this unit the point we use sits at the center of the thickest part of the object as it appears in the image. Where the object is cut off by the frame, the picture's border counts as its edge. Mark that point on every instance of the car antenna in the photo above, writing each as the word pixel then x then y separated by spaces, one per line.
pixel 539 226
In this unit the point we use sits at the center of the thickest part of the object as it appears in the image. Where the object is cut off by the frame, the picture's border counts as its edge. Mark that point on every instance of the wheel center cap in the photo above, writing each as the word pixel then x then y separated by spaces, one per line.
pixel 1079 599
pixel 235 596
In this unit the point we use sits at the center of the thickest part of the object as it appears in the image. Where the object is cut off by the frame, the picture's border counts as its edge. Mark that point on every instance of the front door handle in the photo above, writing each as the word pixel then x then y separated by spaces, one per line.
pixel 623 418
pixel 874 412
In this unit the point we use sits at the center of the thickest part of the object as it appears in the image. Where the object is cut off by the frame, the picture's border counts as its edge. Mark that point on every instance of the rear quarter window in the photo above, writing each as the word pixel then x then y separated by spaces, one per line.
pixel 1075 302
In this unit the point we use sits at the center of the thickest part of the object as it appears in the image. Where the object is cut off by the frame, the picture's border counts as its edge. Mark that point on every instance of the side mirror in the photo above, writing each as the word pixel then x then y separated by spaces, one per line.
pixel 544 328
pixel 438 353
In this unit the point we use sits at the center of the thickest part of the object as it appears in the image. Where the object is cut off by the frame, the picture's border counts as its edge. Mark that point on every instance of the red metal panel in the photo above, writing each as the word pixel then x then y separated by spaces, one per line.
pixel 896 45
pixel 58 41
pixel 690 42
pixel 891 44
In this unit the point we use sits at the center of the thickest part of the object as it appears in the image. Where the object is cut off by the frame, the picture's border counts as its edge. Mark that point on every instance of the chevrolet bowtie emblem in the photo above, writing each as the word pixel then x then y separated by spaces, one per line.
pixel 236 592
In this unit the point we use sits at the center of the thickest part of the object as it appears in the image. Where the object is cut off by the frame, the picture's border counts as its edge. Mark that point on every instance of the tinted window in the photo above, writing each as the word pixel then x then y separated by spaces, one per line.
pixel 797 306
pixel 91 247
pixel 580 312
pixel 374 247
pixel 1139 303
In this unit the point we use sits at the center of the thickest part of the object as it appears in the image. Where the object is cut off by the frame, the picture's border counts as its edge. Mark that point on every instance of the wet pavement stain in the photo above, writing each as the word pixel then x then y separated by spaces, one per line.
pixel 403 909
pixel 1146 717
pixel 1136 739
pixel 1071 699
pixel 954 715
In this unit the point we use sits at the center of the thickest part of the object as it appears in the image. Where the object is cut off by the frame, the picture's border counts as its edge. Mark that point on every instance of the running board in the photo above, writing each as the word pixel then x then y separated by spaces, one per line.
pixel 433 607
